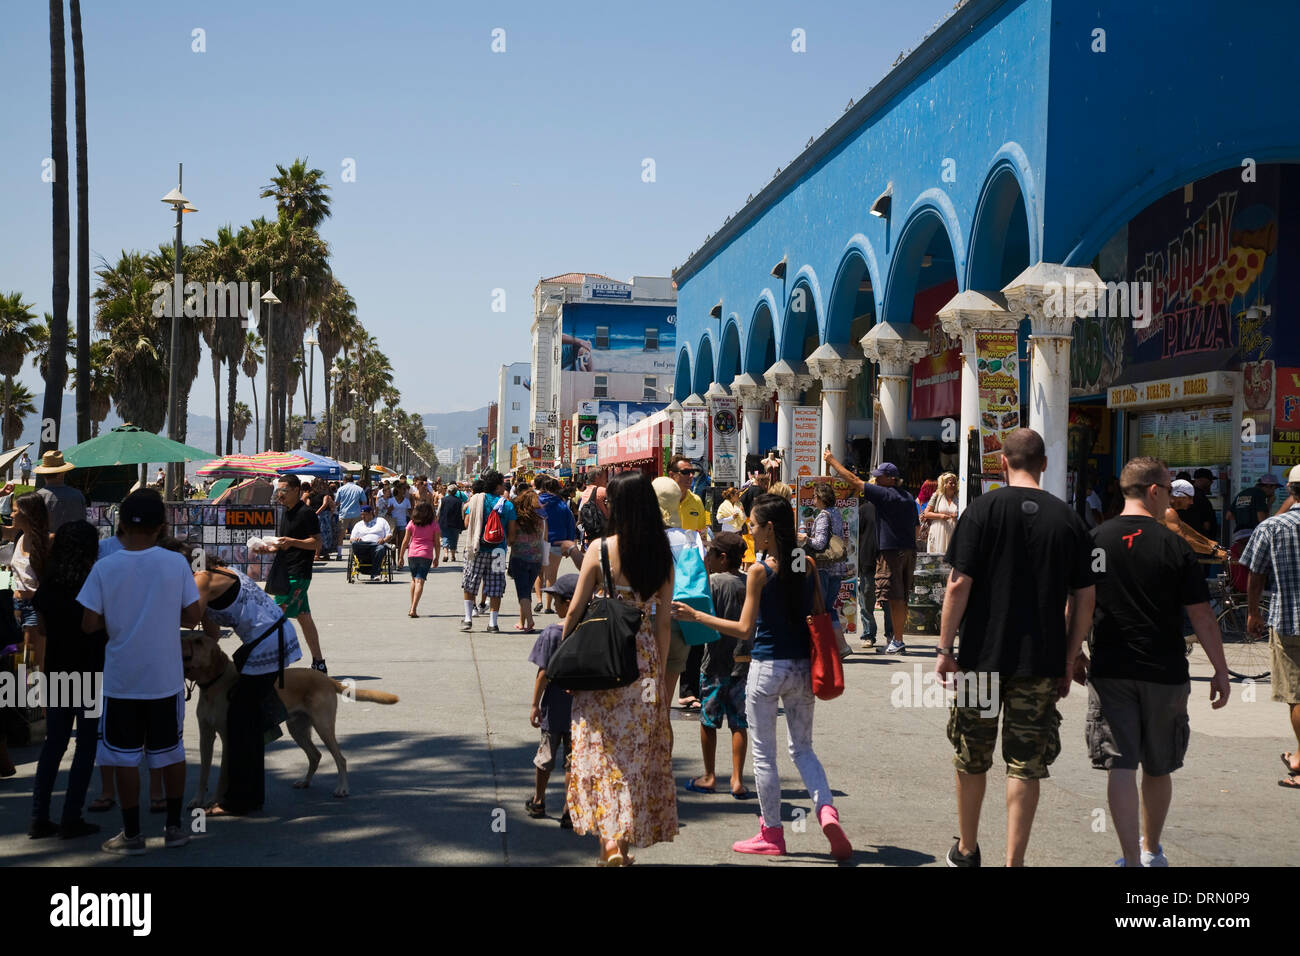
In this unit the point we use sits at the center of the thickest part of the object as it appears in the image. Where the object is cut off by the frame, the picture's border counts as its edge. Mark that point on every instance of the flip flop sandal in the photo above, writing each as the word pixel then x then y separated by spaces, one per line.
pixel 693 787
pixel 1290 783
pixel 746 795
pixel 1286 759
pixel 101 805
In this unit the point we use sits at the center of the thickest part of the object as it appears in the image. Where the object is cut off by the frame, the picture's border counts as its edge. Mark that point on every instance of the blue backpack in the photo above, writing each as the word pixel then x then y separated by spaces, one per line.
pixel 691 587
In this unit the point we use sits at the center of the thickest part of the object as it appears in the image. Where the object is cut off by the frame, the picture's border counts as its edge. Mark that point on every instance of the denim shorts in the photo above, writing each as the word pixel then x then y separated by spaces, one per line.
pixel 28 612
pixel 524 574
pixel 419 567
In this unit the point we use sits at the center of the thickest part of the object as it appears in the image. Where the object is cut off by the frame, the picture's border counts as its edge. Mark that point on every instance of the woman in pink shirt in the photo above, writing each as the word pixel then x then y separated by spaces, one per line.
pixel 420 548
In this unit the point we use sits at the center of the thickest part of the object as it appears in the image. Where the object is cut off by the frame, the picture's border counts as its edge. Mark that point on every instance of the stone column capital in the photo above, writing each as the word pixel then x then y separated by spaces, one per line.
pixel 896 348
pixel 971 311
pixel 1053 296
pixel 788 379
pixel 835 365
pixel 750 390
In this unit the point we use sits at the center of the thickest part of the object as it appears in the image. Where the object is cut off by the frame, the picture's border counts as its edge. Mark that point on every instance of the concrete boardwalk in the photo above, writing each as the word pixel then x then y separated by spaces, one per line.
pixel 441 778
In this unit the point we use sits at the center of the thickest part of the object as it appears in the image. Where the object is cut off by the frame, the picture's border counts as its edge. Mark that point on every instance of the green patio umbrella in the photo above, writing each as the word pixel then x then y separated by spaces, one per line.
pixel 129 445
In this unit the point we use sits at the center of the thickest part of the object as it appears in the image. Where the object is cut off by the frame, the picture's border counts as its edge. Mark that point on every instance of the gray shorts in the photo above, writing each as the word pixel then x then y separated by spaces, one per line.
pixel 1137 721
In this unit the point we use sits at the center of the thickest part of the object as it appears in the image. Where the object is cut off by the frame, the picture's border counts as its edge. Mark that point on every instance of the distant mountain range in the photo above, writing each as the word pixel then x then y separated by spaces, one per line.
pixel 455 429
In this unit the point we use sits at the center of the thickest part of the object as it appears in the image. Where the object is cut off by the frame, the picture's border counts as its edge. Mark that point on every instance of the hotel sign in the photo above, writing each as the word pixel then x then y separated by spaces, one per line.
pixel 1173 391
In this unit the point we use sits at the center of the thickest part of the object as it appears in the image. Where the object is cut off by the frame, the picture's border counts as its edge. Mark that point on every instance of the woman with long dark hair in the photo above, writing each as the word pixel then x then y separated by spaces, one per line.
pixel 620 779
pixel 323 500
pixel 68 651
pixel 778 599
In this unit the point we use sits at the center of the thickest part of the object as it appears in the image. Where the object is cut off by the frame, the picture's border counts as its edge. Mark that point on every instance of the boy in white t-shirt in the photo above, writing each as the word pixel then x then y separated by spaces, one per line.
pixel 142 595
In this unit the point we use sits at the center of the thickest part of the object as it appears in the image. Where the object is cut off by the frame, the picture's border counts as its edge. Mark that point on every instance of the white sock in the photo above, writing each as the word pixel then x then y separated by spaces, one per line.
pixel 469 611
pixel 494 618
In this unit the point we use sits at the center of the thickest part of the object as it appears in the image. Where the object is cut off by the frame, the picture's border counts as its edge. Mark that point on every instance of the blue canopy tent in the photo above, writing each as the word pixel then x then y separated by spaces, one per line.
pixel 320 467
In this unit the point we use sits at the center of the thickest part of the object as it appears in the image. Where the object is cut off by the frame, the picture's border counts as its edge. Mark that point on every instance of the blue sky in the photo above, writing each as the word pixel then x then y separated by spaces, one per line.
pixel 474 170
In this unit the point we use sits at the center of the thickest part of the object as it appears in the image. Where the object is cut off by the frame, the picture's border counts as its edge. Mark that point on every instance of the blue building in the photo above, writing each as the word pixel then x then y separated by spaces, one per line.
pixel 1151 142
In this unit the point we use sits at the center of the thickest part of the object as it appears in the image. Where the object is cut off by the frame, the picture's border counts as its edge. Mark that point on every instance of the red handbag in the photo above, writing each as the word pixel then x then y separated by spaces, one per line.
pixel 827 666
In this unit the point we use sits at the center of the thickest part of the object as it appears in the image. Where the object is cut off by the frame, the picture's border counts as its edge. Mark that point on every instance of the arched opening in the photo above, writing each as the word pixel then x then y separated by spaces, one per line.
pixel 801 330
pixel 760 352
pixel 922 279
pixel 703 366
pixel 682 379
pixel 729 353
pixel 850 315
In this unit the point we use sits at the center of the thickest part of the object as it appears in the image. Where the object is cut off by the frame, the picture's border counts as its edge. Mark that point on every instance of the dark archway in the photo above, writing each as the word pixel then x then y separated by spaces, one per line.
pixel 729 353
pixel 682 381
pixel 1000 241
pixel 760 350
pixel 703 366
pixel 801 331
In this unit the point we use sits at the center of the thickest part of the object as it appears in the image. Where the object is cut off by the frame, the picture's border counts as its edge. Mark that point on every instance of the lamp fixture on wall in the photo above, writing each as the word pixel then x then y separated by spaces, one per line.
pixel 716 311
pixel 778 270
pixel 883 202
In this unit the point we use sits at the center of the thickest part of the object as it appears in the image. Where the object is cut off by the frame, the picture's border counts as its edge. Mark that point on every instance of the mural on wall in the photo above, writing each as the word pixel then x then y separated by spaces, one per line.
pixel 1211 263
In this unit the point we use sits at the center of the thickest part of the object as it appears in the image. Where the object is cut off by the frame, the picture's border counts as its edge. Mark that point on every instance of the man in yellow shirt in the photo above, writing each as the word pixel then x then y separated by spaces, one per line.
pixel 694 516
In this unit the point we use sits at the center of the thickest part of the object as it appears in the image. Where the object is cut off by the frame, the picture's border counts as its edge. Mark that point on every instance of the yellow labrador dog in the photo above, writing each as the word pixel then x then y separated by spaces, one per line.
pixel 310 697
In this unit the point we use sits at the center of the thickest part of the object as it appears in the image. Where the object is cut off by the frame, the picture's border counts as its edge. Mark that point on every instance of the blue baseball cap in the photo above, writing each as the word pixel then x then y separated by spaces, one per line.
pixel 885 470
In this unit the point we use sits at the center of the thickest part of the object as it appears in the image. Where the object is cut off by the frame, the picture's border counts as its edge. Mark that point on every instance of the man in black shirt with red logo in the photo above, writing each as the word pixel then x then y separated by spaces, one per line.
pixel 1137 680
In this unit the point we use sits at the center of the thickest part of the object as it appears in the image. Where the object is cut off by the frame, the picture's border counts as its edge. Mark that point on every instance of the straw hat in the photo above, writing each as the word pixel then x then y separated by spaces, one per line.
pixel 669 494
pixel 52 463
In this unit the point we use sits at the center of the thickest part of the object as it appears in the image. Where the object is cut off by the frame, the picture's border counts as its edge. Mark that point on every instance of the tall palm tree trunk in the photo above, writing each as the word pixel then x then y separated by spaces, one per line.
pixel 257 421
pixel 232 384
pixel 83 230
pixel 52 407
pixel 216 382
pixel 9 387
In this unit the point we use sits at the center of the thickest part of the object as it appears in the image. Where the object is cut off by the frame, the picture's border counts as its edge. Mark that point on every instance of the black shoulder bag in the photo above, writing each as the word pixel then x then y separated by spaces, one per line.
pixel 600 654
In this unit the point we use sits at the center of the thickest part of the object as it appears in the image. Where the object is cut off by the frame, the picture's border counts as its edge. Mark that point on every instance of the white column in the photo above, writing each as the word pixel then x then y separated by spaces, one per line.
pixel 964 315
pixel 752 393
pixel 896 349
pixel 835 365
pixel 789 382
pixel 1051 295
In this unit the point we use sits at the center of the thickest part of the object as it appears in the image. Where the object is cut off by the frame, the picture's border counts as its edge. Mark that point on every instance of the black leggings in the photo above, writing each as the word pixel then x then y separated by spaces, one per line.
pixel 245 766
pixel 58 731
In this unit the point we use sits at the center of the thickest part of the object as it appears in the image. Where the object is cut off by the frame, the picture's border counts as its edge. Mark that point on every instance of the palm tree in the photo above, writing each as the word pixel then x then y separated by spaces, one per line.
pixel 137 341
pixel 102 384
pixel 250 363
pixel 161 266
pixel 53 405
pixel 300 191
pixel 19 407
pixel 223 261
pixel 84 396
pixel 337 320
pixel 240 419
pixel 17 326
pixel 42 335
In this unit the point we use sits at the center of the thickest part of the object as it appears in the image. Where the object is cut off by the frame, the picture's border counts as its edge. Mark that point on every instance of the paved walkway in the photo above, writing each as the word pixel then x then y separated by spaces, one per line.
pixel 441 777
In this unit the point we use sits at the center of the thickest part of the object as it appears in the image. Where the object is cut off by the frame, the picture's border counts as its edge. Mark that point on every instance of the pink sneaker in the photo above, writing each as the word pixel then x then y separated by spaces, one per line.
pixel 829 818
pixel 769 842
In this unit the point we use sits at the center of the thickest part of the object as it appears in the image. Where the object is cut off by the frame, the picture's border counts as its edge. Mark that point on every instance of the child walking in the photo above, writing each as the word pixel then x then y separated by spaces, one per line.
pixel 550 710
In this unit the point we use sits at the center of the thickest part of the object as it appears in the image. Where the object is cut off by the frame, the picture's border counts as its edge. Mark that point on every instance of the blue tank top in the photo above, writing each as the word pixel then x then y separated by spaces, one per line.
pixel 774 638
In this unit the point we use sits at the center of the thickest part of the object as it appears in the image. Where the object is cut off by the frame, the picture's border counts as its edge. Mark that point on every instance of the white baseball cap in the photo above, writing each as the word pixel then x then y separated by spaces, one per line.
pixel 1294 474
pixel 1182 488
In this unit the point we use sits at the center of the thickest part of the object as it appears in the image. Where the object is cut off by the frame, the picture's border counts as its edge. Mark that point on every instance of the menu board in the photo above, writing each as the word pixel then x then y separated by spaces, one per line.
pixel 726 461
pixel 997 360
pixel 223 531
pixel 846 503
pixel 1187 438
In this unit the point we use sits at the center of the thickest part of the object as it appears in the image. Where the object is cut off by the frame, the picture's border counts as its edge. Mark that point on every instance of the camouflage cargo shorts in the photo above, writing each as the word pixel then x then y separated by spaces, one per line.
pixel 1031 729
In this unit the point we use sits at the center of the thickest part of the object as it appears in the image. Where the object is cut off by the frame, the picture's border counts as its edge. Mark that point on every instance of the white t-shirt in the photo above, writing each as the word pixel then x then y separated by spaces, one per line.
pixel 141 595
pixel 399 511
pixel 372 533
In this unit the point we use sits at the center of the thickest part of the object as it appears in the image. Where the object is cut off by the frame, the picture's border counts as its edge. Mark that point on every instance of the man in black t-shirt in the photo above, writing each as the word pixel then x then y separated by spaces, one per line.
pixel 294 551
pixel 1138 682
pixel 1020 563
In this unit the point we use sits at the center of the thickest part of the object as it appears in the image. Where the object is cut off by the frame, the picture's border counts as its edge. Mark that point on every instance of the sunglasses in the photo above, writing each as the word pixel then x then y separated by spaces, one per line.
pixel 687 471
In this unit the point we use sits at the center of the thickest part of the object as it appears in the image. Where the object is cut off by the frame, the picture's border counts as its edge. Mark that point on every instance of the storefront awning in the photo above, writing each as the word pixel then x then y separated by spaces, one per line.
pixel 638 443
pixel 1195 363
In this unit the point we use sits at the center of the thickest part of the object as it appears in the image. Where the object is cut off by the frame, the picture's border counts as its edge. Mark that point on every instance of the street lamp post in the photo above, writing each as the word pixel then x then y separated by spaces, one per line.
pixel 270 299
pixel 335 372
pixel 311 342
pixel 181 205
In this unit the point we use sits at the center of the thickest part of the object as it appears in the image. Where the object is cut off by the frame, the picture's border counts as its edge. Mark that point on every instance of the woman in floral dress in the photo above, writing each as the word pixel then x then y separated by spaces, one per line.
pixel 619 781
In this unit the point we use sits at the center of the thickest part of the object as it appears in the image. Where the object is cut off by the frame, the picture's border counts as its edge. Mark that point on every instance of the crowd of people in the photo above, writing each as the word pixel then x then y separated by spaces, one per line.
pixel 85 605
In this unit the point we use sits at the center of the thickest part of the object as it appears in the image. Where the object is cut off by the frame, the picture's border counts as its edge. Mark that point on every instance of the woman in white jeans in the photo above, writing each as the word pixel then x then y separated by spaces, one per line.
pixel 778 600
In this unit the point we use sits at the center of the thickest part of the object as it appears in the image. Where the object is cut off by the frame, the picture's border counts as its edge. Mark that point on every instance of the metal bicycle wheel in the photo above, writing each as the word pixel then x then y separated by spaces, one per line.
pixel 1247 654
pixel 352 564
